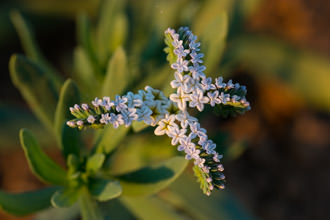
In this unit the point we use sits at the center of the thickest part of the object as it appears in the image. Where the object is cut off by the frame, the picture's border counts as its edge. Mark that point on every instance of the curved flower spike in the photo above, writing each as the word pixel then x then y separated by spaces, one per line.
pixel 169 115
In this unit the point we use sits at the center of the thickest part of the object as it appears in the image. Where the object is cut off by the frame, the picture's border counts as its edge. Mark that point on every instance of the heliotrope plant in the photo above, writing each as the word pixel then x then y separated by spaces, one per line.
pixel 89 177
pixel 170 114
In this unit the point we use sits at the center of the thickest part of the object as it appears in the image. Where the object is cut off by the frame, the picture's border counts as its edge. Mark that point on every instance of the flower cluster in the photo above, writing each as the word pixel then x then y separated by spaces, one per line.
pixel 170 115
pixel 191 84
pixel 149 105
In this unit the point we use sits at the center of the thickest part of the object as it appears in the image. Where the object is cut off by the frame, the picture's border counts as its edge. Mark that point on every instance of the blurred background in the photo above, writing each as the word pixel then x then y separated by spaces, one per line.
pixel 276 155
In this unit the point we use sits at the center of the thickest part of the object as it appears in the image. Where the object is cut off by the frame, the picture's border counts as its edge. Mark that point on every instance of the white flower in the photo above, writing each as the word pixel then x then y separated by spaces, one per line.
pixel 180 81
pixel 196 130
pixel 230 84
pixel 129 115
pixel 214 97
pixel 180 65
pixel 185 144
pixel 224 98
pixel 219 82
pixel 207 84
pixel 91 119
pixel 84 106
pixel 197 71
pixel 198 100
pixel 177 135
pixel 97 102
pixel 199 162
pixel 106 103
pixel 144 114
pixel 181 52
pixel 209 146
pixel 176 42
pixel 120 103
pixel 194 46
pixel 116 120
pixel 133 100
pixel 217 157
pixel 192 152
pixel 184 118
pixel 105 118
pixel 196 57
pixel 71 124
pixel 166 125
pixel 80 123
pixel 235 98
pixel 180 98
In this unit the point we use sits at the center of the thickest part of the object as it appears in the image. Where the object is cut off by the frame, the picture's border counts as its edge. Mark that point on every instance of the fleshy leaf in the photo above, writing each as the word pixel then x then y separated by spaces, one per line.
pixel 95 162
pixel 116 78
pixel 105 27
pixel 26 203
pixel 40 164
pixel 150 208
pixel 88 207
pixel 36 88
pixel 68 138
pixel 65 197
pixel 31 48
pixel 104 190
pixel 151 179
pixel 109 138
pixel 139 126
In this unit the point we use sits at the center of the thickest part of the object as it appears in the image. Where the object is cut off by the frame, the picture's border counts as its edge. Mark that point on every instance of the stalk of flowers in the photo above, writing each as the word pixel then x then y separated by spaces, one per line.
pixel 152 107
pixel 190 82
pixel 149 105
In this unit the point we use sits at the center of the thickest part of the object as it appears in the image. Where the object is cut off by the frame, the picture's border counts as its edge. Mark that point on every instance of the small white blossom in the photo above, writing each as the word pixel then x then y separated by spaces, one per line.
pixel 166 125
pixel 198 100
pixel 219 83
pixel 91 119
pixel 116 120
pixel 177 135
pixel 97 102
pixel 180 98
pixel 180 65
pixel 207 84
pixel 120 103
pixel 214 98
pixel 224 98
pixel 105 118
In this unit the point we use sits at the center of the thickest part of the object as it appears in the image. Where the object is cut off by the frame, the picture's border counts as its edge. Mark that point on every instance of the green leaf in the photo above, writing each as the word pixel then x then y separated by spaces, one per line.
pixel 68 138
pixel 106 27
pixel 104 190
pixel 89 208
pixel 31 48
pixel 151 179
pixel 65 197
pixel 40 164
pixel 213 38
pixel 52 213
pixel 95 162
pixel 150 208
pixel 26 203
pixel 85 74
pixel 109 138
pixel 85 41
pixel 36 88
pixel 138 126
pixel 116 78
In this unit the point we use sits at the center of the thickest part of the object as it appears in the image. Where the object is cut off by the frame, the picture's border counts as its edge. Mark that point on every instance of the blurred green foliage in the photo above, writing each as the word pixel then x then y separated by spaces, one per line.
pixel 120 40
